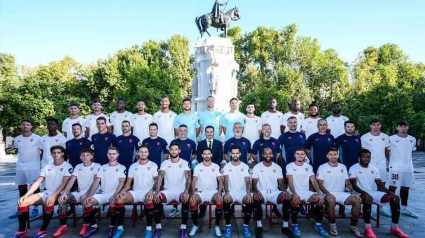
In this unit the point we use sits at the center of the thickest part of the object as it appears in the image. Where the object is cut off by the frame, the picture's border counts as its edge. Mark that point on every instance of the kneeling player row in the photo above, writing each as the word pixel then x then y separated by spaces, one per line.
pixel 234 185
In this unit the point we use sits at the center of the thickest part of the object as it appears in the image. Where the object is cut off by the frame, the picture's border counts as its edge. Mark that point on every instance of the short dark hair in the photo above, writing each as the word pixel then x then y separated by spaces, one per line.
pixel 375 120
pixel 101 118
pixel 113 148
pixel 175 144
pixel 209 127
pixel 52 119
pixel 183 125
pixel 96 101
pixel 126 121
pixel 250 103
pixel 363 151
pixel 153 124
pixel 300 149
pixel 57 147
pixel 233 99
pixel 86 150
pixel 164 96
pixel 207 148
pixel 74 105
pixel 140 100
pixel 335 103
pixel 313 104
pixel 333 149
pixel 186 100
pixel 120 99
pixel 349 122
pixel 235 147
pixel 402 123
pixel 292 117
pixel 143 146
pixel 210 96
pixel 77 124
pixel 27 120
pixel 272 98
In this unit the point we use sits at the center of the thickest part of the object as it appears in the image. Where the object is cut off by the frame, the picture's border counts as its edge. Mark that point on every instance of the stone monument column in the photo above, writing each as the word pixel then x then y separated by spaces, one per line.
pixel 215 72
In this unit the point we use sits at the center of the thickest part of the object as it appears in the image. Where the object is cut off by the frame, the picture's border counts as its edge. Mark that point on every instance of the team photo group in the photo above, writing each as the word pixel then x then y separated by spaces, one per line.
pixel 295 164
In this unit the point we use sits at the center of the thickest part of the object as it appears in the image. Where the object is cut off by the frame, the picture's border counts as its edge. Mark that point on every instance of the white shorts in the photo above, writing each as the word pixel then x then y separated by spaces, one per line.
pixel 26 176
pixel 270 195
pixel 171 195
pixel 377 196
pixel 206 196
pixel 46 194
pixel 340 197
pixel 103 198
pixel 401 179
pixel 305 194
pixel 139 195
pixel 237 196
pixel 78 195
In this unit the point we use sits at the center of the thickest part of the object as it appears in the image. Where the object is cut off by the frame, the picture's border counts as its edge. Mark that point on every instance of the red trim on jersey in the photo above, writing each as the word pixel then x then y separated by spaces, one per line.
pixel 174 162
pixel 207 165
pixel 267 165
pixel 113 165
pixel 332 165
pixel 275 111
pixel 88 165
pixel 363 166
pixel 195 176
pixel 59 164
pixel 41 176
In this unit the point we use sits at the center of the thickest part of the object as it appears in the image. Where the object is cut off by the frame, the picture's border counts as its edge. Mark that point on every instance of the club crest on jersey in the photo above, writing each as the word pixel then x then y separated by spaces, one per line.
pixel 256 121
pixel 106 138
pixel 188 145
pixel 261 144
pixel 273 143
pixel 357 140
pixel 274 170
pixel 411 141
pixel 213 169
pixel 92 168
pixel 61 170
pixel 232 143
pixel 131 141
pixel 136 169
pixel 44 140
pixel 243 142
pixel 81 143
pixel 328 172
pixel 180 165
pixel 49 169
pixel 372 171
pixel 343 140
pixel 149 168
pixel 117 169
pixel 57 140
pixel 146 118
pixel 171 116
pixel 329 139
pixel 80 169
pixel 306 169
pixel 383 139
pixel 316 139
pixel 342 171
pixel 360 172
pixel 169 166
pixel 289 137
pixel 158 143
pixel 201 170
pixel 301 136
pixel 125 116
pixel 119 141
pixel 20 140
pixel 241 169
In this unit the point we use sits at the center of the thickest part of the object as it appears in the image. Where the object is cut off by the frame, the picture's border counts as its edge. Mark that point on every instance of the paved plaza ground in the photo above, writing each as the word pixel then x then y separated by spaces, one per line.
pixel 9 195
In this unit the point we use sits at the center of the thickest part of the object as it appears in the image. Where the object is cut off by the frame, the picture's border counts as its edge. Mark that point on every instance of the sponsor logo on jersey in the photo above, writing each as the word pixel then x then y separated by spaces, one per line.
pixel 241 169
pixel 306 169
pixel 169 166
pixel 188 145
pixel 213 169
pixel 158 143
pixel 397 141
pixel 230 170
pixel 49 169
pixel 328 172
pixel 274 170
pixel 106 138
pixel 92 168
pixel 180 165
pixel 81 143
pixel 372 171
pixel 342 171
pixel 117 169
pixel 201 170
pixel 61 170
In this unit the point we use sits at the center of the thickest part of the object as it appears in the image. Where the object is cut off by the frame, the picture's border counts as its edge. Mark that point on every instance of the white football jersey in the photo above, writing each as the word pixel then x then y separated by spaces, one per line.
pixel 301 175
pixel 28 152
pixel 165 123
pixel 267 176
pixel 85 175
pixel 110 177
pixel 140 124
pixel 54 174
pixel 46 142
pixel 207 177
pixel 252 126
pixel 365 176
pixel 116 120
pixel 333 178
pixel 300 118
pixel 67 126
pixel 237 175
pixel 275 120
pixel 174 178
pixel 336 125
pixel 376 145
pixel 143 175
pixel 401 153
pixel 92 124
pixel 309 126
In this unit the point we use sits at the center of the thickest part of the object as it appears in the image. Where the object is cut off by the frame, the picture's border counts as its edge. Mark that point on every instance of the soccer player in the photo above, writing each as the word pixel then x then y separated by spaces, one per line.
pixel 366 180
pixel 268 186
pixel 332 178
pixel 165 120
pixel 238 140
pixel 274 118
pixel 228 119
pixel 140 121
pixel 336 121
pixel 299 176
pixel 74 117
pixel 49 140
pixel 91 123
pixel 28 164
pixel 252 130
pixel 295 112
pixel 204 189
pixel 215 145
pixel 177 178
pixel 118 117
pixel 401 165
pixel 84 174
pixel 75 145
pixel 111 177
pixel 127 144
pixel 266 142
pixel 189 119
pixel 349 145
pixel 290 141
pixel 309 125
pixel 144 173
pixel 210 117
pixel 102 141
pixel 187 146
pixel 319 143
pixel 55 175
pixel 156 145
pixel 237 188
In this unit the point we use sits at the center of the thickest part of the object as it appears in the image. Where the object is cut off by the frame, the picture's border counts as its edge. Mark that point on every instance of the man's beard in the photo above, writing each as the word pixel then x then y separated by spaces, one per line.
pixel 235 159
pixel 267 161
pixel 174 157
pixel 141 158
pixel 314 115
pixel 336 111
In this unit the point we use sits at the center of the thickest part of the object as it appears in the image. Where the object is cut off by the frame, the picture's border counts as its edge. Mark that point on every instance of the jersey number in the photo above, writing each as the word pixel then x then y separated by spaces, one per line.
pixel 394 176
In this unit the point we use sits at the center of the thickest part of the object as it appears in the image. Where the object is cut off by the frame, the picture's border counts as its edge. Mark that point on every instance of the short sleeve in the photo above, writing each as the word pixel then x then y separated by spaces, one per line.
pixel 311 170
pixel 217 171
pixel 87 122
pixel 155 170
pixel 320 174
pixel 131 172
pixel 43 172
pixel 100 174
pixel 123 170
pixel 413 144
pixel 246 171
pixel 197 124
pixel 352 173
pixel 222 120
pixel 68 171
pixel 243 120
pixel 289 169
pixel 387 141
pixel 63 126
pixel 280 172
pixel 75 173
pixel 226 170
pixel 255 148
pixel 196 171
pixel 377 175
pixel 163 166
pixel 177 122
pixel 255 174
pixel 345 173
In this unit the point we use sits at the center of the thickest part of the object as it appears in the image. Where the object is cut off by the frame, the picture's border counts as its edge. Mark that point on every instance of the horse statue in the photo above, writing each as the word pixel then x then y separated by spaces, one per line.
pixel 206 20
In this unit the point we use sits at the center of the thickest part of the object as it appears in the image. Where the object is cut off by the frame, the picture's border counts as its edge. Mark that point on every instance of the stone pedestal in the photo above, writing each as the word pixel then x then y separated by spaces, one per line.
pixel 215 71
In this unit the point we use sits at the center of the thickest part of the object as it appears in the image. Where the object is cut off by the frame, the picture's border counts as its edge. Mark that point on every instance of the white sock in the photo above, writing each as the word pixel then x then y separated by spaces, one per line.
pixel 284 224
pixel 245 225
pixel 158 226
pixel 259 224
pixel 120 227
pixel 318 223
pixel 94 225
pixel 182 226
pixel 403 208
pixel 229 225
pixel 367 225
pixel 149 228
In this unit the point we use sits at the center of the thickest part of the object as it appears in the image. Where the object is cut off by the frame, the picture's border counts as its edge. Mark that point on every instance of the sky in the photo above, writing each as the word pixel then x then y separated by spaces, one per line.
pixel 40 31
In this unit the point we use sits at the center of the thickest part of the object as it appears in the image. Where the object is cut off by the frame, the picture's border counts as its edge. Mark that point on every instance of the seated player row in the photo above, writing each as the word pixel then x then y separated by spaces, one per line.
pixel 266 184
